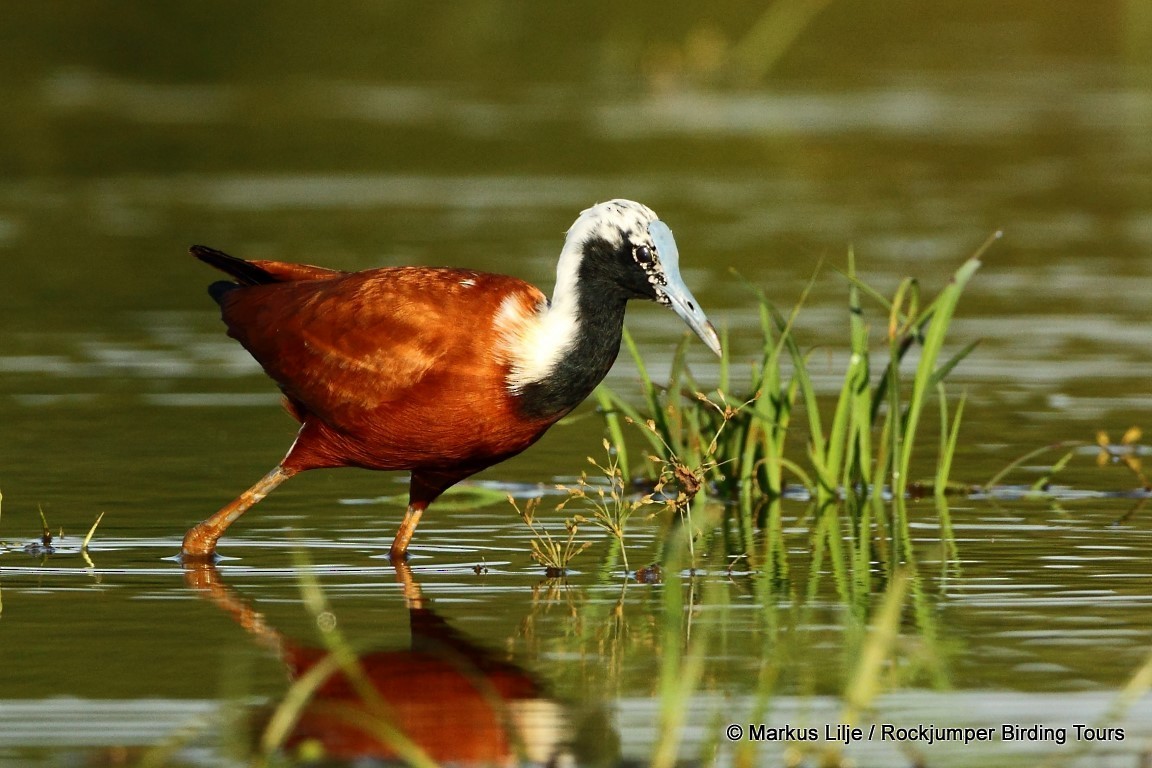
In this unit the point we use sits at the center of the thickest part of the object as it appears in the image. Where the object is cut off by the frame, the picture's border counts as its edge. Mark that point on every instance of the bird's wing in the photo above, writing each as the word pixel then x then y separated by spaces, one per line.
pixel 246 272
pixel 353 343
pixel 288 272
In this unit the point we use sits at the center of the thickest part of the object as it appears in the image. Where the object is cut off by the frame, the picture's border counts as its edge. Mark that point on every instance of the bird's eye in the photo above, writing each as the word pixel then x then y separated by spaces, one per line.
pixel 643 255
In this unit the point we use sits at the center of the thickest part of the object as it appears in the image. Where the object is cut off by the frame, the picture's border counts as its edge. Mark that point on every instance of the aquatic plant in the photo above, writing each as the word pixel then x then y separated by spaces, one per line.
pixel 553 553
pixel 1128 453
pixel 91 533
pixel 45 542
pixel 609 501
pixel 839 458
pixel 745 446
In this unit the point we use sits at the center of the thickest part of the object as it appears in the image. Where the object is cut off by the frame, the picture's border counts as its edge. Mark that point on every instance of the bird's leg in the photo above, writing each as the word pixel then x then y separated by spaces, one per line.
pixel 399 550
pixel 423 489
pixel 200 541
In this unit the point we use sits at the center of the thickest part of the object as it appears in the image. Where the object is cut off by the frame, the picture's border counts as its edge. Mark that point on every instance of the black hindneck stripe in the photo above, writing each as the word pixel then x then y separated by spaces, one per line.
pixel 600 304
pixel 584 366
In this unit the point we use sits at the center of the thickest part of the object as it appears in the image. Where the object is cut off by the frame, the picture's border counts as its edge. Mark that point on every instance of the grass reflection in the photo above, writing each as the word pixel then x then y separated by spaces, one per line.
pixel 676 652
pixel 684 637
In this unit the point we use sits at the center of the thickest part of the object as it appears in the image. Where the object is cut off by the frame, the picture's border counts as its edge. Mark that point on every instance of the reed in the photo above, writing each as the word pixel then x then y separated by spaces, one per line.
pixel 45 532
pixel 784 436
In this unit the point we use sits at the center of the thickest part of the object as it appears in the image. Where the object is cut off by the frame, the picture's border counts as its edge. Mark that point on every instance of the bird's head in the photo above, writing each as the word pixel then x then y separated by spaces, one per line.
pixel 624 244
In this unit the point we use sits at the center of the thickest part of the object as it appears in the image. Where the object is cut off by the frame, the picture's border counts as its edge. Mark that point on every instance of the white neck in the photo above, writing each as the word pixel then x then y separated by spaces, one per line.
pixel 537 343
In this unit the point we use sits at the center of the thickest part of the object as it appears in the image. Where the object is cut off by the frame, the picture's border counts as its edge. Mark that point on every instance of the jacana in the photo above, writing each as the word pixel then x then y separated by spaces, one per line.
pixel 441 372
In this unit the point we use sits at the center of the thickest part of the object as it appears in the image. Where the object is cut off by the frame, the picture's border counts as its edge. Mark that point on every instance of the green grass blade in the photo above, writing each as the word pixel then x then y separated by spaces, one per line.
pixel 946 368
pixel 618 405
pixel 949 437
pixel 852 425
pixel 651 394
pixel 1043 483
pixel 891 379
pixel 634 351
pixel 996 479
pixel 944 306
pixel 611 417
pixel 947 532
pixel 724 377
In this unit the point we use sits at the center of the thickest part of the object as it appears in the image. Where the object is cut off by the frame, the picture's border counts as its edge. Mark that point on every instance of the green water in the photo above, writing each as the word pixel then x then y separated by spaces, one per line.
pixel 472 134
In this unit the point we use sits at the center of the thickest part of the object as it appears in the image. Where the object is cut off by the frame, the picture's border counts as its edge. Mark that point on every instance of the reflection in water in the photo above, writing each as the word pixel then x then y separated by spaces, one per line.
pixel 445 696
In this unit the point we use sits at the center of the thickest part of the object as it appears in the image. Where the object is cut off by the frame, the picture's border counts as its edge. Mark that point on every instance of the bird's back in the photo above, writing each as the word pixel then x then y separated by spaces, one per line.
pixel 391 368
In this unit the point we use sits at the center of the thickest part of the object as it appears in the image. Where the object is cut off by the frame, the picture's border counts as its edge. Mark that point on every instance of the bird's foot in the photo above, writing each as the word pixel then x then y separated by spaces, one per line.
pixel 199 545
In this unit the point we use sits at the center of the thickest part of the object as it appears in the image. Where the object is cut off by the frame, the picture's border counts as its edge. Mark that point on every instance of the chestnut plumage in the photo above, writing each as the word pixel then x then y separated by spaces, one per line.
pixel 442 372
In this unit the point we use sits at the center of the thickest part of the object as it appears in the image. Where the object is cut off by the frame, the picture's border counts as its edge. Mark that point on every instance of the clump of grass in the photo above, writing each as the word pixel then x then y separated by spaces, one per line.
pixel 611 505
pixel 744 447
pixel 676 487
pixel 45 543
pixel 554 554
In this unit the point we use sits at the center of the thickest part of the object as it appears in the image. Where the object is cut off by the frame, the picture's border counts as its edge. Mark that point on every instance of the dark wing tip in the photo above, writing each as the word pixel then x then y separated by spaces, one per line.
pixel 243 271
pixel 204 252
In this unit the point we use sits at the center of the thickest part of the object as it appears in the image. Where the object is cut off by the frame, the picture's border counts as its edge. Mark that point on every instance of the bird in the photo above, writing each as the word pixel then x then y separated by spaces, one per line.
pixel 439 371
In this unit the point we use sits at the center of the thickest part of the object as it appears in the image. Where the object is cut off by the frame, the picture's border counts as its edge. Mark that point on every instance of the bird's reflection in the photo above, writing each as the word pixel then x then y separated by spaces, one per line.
pixel 455 701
